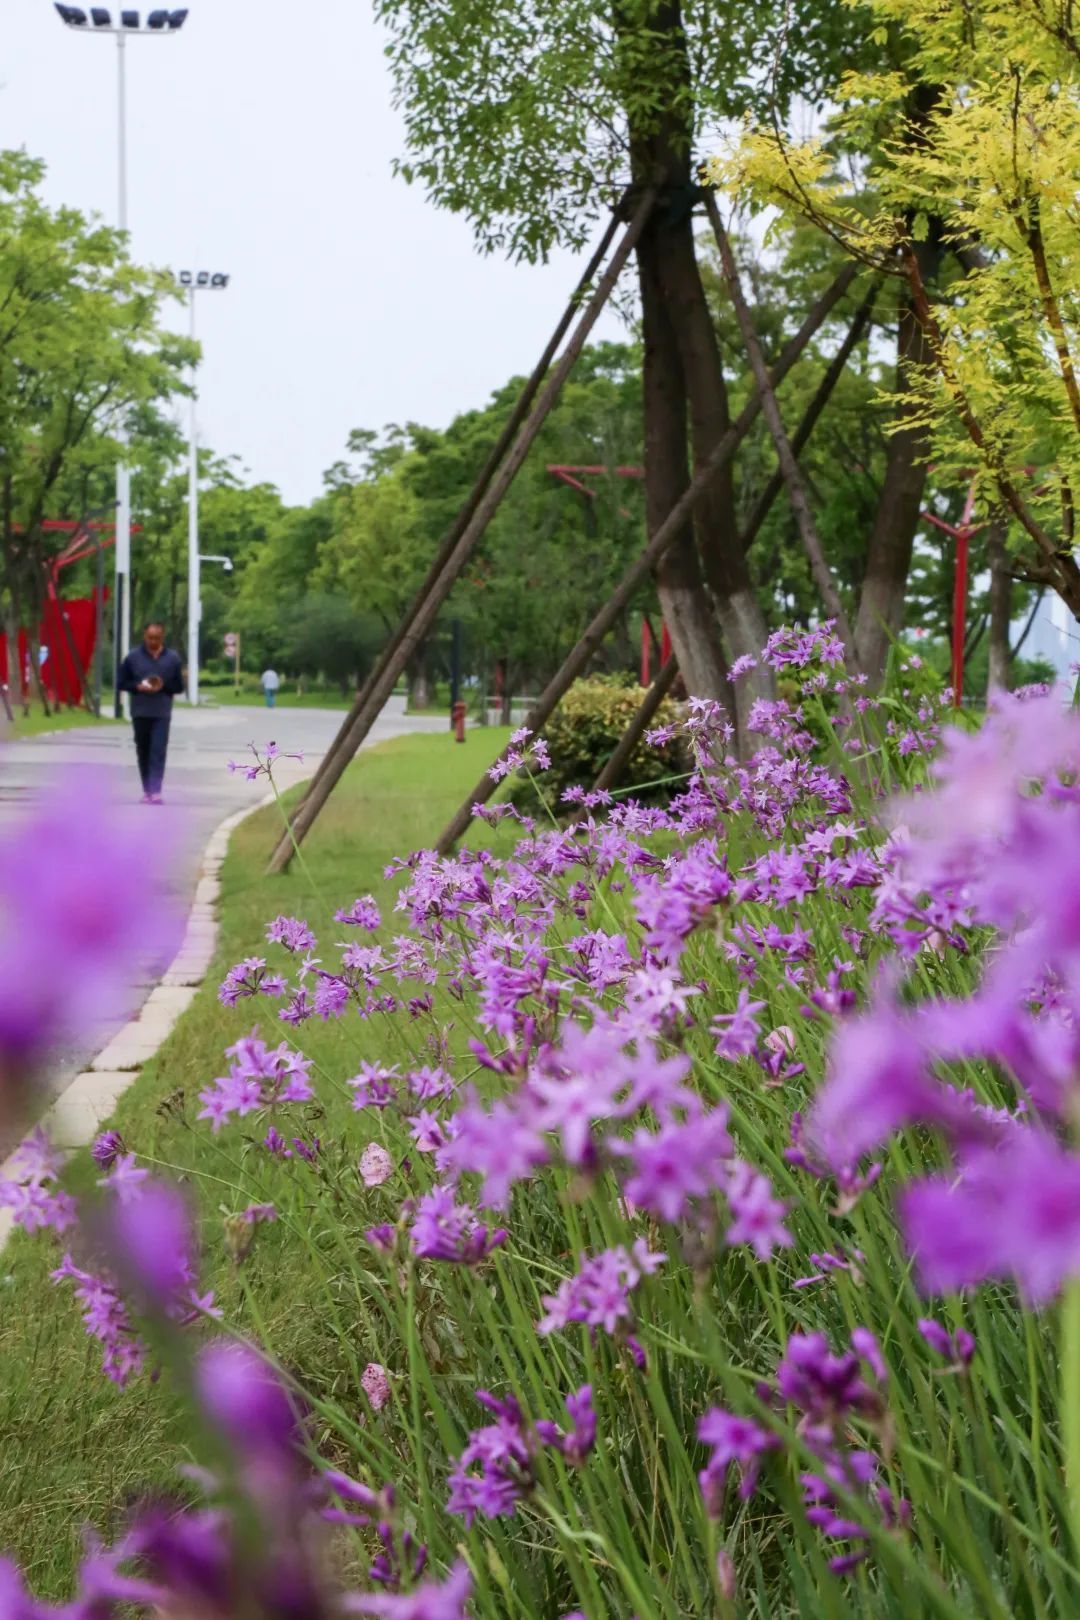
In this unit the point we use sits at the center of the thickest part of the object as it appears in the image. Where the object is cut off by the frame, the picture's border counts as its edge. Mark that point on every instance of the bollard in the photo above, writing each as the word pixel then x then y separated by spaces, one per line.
pixel 457 716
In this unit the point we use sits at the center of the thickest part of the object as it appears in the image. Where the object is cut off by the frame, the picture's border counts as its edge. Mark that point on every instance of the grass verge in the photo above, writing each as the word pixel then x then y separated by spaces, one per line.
pixel 35 724
pixel 73 1449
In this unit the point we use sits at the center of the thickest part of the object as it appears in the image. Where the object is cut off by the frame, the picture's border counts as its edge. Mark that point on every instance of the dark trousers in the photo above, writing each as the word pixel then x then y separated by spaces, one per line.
pixel 151 743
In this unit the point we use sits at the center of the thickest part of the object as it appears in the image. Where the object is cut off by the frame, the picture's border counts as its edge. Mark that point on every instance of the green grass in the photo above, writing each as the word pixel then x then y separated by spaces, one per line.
pixel 35 723
pixel 978 1456
pixel 249 696
pixel 73 1449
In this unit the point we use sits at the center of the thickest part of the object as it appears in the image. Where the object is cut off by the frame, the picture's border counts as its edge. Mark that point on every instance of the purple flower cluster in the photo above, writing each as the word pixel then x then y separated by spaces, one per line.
pixel 147 1271
pixel 520 752
pixel 32 1190
pixel 498 1465
pixel 74 892
pixel 599 1293
pixel 832 1395
pixel 252 1551
pixel 259 1077
pixel 993 843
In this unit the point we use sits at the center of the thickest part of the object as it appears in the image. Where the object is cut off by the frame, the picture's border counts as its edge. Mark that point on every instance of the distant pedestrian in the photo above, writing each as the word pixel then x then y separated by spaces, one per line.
pixel 270 682
pixel 152 674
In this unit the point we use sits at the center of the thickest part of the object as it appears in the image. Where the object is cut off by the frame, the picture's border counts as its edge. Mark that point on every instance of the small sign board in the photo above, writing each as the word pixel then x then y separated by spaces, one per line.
pixel 230 643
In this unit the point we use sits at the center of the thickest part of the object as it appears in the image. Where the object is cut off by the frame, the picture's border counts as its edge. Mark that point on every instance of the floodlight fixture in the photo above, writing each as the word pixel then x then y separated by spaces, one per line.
pixel 160 21
pixel 202 280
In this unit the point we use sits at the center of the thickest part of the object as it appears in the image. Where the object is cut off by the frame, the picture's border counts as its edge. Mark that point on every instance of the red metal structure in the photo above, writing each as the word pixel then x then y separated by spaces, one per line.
pixel 70 630
pixel 960 532
pixel 572 473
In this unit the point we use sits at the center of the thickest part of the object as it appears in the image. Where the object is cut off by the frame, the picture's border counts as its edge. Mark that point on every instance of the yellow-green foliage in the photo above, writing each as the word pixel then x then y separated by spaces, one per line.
pixel 974 123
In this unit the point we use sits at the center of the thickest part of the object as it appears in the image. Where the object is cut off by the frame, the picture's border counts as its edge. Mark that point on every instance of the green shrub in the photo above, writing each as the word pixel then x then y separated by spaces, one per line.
pixel 582 734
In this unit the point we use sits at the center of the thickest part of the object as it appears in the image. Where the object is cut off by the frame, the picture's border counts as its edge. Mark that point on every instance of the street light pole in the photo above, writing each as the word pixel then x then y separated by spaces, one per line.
pixel 194 591
pixel 164 23
pixel 201 282
pixel 122 588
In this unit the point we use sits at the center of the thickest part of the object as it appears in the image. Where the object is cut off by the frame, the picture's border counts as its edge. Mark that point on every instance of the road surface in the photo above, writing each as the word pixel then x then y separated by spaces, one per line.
pixel 199 793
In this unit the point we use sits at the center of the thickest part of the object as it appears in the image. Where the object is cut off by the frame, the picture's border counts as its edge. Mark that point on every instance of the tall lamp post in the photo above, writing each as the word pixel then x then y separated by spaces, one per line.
pixel 159 24
pixel 193 282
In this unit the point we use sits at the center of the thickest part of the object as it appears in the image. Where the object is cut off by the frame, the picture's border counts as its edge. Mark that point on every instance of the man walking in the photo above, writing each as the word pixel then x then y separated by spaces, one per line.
pixel 152 674
pixel 269 682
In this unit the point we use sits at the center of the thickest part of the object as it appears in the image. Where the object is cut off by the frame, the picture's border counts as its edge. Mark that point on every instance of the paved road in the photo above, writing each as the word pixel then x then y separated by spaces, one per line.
pixel 199 793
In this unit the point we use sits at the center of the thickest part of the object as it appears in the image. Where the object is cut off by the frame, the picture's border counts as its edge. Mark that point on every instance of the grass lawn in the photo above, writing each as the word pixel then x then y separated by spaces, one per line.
pixel 73 1449
pixel 249 696
pixel 35 723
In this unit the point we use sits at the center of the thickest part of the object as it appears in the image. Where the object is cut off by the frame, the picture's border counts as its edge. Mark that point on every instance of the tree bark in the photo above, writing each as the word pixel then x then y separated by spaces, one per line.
pixel 1000 605
pixel 892 538
pixel 798 494
pixel 705 590
pixel 680 583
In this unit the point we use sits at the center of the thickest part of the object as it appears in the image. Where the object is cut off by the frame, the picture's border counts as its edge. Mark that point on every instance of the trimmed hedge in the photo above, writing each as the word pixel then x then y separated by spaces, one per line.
pixel 584 731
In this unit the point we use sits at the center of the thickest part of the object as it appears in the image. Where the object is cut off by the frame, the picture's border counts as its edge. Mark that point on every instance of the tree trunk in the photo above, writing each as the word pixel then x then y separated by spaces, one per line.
pixel 419 684
pixel 888 557
pixel 1001 590
pixel 684 600
pixel 684 387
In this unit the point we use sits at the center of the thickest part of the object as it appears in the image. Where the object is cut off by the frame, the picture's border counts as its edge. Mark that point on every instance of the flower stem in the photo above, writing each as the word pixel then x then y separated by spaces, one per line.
pixel 1070 1402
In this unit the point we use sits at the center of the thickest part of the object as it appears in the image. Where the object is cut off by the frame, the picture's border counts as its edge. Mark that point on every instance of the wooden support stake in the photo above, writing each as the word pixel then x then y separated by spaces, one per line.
pixel 798 494
pixel 764 502
pixel 412 632
pixel 720 455
pixel 345 736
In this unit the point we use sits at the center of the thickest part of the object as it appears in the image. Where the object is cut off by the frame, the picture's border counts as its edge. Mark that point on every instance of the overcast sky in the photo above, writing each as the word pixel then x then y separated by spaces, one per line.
pixel 260 141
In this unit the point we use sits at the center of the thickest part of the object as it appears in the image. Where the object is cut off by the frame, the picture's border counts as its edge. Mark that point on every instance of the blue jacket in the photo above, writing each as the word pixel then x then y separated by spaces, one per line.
pixel 136 667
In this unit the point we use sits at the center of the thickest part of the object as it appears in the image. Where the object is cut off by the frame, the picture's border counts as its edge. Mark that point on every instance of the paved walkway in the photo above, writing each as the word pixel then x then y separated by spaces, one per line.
pixel 199 793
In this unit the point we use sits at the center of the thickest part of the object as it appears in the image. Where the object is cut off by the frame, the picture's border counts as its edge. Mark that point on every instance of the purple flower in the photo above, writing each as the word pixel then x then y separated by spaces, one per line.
pixel 241 1395
pixel 74 894
pixel 106 1149
pixel 1012 1213
pixel 32 1191
pixel 432 1601
pixel 150 1244
pixel 363 913
pixel 878 1080
pixel 106 1319
pixel 738 1031
pixel 678 1163
pixel 445 1230
pixel 291 932
pixel 499 1144
pixel 494 1470
pixel 125 1178
pixel 733 1439
pixel 599 1294
pixel 576 1442
pixel 957 1348
pixel 741 666
pixel 758 1217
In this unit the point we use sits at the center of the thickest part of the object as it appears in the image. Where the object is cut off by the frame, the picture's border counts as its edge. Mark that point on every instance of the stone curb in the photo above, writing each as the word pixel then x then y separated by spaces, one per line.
pixel 77 1115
